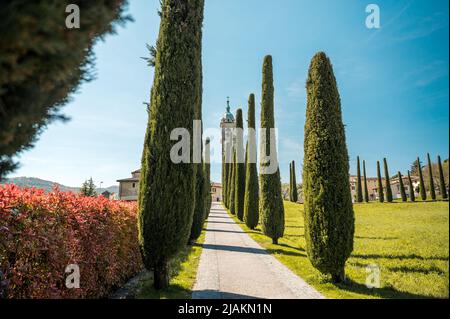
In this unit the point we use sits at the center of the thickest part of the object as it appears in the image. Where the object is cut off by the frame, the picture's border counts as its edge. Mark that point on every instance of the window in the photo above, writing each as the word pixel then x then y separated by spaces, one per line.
pixel 134 185
pixel 214 189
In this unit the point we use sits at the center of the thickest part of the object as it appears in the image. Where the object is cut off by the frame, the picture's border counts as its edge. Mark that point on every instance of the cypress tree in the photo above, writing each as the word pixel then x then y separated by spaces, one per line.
pixel 359 194
pixel 271 201
pixel 224 178
pixel 207 173
pixel 380 184
pixel 232 199
pixel 328 210
pixel 167 189
pixel 442 187
pixel 402 187
pixel 431 180
pixel 412 196
pixel 388 182
pixel 251 202
pixel 423 192
pixel 239 186
pixel 290 182
pixel 229 179
pixel 366 191
pixel 294 184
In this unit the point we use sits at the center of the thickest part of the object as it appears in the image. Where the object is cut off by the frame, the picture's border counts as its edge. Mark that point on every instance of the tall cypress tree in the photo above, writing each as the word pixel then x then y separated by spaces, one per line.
pixel 412 196
pixel 224 178
pixel 359 194
pixel 442 187
pixel 230 178
pixel 380 184
pixel 271 200
pixel 294 184
pixel 388 182
pixel 207 184
pixel 251 202
pixel 402 187
pixel 431 179
pixel 290 182
pixel 366 190
pixel 423 192
pixel 239 186
pixel 232 199
pixel 167 189
pixel 328 210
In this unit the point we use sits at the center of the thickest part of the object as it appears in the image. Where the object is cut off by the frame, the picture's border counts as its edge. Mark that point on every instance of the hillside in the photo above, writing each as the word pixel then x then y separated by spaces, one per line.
pixel 27 182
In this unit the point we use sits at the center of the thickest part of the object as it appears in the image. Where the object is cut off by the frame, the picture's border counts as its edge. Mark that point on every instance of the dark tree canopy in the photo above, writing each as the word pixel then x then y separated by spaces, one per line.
pixel 42 63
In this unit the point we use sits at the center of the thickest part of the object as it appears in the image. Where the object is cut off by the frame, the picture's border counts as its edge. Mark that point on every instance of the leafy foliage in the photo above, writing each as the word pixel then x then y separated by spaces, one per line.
pixel 389 198
pixel 402 187
pixel 366 191
pixel 430 179
pixel 412 196
pixel 251 201
pixel 442 186
pixel 271 207
pixel 380 184
pixel 239 181
pixel 42 233
pixel 359 194
pixel 422 190
pixel 329 217
pixel 42 63
pixel 88 188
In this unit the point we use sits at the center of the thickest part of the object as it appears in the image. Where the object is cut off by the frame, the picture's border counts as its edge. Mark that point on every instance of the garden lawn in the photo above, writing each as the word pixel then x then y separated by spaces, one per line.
pixel 183 271
pixel 408 241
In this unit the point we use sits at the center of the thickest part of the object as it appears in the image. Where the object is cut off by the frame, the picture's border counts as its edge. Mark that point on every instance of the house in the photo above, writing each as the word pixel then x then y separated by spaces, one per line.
pixel 395 186
pixel 128 187
pixel 372 184
pixel 216 192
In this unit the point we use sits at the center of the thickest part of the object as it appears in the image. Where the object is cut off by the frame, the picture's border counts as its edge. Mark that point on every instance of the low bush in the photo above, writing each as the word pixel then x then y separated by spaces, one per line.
pixel 42 233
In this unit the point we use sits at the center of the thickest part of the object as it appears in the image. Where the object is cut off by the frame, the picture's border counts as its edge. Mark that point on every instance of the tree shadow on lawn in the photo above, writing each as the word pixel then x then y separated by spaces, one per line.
pixel 376 238
pixel 400 257
pixel 384 292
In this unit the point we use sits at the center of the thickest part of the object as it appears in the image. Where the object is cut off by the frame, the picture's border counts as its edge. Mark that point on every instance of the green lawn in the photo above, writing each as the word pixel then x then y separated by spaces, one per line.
pixel 408 241
pixel 183 273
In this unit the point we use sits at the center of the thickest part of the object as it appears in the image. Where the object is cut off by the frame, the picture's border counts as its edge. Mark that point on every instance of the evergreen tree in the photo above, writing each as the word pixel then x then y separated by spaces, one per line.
pixel 207 170
pixel 271 201
pixel 388 182
pixel 290 182
pixel 442 187
pixel 224 179
pixel 328 210
pixel 167 189
pixel 380 184
pixel 412 196
pixel 233 184
pixel 366 191
pixel 230 178
pixel 251 202
pixel 43 62
pixel 431 181
pixel 88 188
pixel 359 194
pixel 423 192
pixel 294 184
pixel 402 187
pixel 239 186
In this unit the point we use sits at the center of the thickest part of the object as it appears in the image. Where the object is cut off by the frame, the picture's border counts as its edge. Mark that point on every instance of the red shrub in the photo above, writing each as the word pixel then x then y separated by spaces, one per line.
pixel 42 233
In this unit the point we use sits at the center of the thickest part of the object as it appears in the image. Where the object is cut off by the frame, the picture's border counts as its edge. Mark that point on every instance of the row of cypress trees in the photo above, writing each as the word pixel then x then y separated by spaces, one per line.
pixel 249 200
pixel 381 195
pixel 174 199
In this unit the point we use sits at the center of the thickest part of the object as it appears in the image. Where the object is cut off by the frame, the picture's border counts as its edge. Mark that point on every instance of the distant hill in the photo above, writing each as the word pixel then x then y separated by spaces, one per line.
pixel 28 182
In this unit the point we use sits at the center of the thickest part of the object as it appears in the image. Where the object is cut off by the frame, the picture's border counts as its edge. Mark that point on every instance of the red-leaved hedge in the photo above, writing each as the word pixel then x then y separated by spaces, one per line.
pixel 42 233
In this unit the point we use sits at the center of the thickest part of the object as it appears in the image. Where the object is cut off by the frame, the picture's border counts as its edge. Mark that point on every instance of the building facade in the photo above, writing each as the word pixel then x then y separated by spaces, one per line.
pixel 128 187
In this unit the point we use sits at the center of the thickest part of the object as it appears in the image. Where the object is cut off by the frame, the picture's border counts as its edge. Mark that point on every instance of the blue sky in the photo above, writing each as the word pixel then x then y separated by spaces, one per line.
pixel 393 83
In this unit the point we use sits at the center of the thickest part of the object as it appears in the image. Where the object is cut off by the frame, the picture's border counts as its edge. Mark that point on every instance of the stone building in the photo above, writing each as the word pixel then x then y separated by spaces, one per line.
pixel 128 187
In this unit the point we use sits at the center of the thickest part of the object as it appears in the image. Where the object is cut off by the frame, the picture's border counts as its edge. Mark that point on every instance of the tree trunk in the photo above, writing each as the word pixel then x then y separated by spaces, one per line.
pixel 275 241
pixel 339 277
pixel 161 275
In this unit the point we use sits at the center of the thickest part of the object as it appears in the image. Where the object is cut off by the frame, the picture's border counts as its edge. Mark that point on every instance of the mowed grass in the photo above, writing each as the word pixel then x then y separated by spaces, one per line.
pixel 183 271
pixel 408 241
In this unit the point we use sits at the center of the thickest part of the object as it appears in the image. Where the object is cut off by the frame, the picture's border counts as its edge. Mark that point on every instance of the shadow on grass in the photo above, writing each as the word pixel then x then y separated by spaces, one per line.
pixel 385 292
pixel 400 257
pixel 376 238
pixel 230 231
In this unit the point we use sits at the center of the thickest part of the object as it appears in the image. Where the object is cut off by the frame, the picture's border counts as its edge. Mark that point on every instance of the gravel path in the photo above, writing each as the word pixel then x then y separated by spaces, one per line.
pixel 233 265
